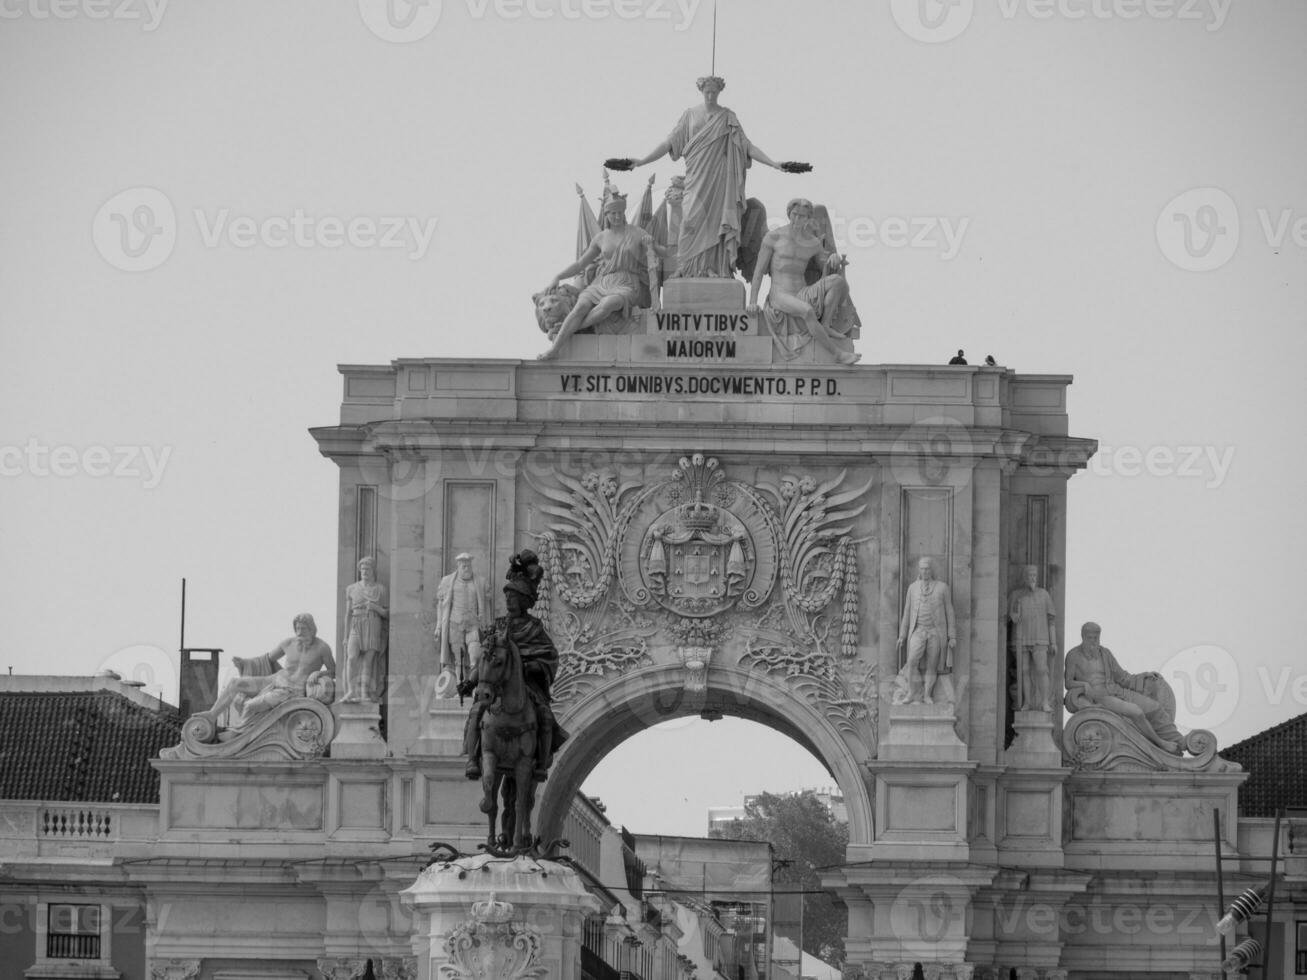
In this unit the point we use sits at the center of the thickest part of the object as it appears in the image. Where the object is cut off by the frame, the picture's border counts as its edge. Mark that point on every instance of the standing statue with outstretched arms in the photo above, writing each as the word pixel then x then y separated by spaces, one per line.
pixel 717 154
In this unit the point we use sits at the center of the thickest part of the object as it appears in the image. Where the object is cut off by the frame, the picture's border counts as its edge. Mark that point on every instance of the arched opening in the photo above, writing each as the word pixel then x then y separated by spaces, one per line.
pixel 610 714
pixel 666 778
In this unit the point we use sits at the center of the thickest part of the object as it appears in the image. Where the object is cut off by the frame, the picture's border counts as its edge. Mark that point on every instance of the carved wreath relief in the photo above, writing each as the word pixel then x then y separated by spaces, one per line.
pixel 763 576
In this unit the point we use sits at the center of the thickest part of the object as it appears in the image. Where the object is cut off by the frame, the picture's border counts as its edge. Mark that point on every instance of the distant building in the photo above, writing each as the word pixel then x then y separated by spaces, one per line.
pixel 721 818
pixel 76 784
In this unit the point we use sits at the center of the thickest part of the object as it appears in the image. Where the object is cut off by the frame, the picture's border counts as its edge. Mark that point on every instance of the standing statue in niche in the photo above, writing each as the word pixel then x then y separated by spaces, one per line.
pixel 460 614
pixel 930 635
pixel 366 616
pixel 1034 626
pixel 1095 679
pixel 539 660
pixel 802 308
pixel 717 155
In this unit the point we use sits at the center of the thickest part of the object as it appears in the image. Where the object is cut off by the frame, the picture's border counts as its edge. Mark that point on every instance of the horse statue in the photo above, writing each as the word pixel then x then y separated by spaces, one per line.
pixel 508 745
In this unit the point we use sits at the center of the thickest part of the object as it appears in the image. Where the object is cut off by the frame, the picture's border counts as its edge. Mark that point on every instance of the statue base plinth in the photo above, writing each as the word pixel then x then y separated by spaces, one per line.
pixel 358 731
pixel 1034 748
pixel 442 727
pixel 920 732
pixel 703 295
pixel 518 912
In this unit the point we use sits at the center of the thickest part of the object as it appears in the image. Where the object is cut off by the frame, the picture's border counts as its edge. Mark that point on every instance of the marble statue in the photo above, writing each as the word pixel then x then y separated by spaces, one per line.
pixel 552 307
pixel 366 615
pixel 1034 625
pixel 802 309
pixel 300 666
pixel 717 155
pixel 460 613
pixel 1095 679
pixel 539 659
pixel 627 262
pixel 929 632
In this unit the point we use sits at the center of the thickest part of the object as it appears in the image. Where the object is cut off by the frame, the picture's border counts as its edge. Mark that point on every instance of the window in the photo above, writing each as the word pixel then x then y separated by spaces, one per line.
pixel 1300 949
pixel 73 939
pixel 73 932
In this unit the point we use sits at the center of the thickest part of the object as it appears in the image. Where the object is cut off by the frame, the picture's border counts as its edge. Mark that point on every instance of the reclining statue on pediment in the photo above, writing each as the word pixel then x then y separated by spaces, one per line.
pixel 1121 720
pixel 282 707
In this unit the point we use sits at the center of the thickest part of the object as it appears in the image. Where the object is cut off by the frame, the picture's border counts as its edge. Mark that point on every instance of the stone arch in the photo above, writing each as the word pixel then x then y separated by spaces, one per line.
pixel 629 703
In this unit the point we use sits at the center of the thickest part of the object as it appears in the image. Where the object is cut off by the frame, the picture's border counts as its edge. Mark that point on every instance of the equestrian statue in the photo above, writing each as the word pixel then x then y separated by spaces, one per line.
pixel 511 732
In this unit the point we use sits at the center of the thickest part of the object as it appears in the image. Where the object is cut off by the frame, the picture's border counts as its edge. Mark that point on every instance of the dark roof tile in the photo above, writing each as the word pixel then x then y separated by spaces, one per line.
pixel 92 746
pixel 1277 762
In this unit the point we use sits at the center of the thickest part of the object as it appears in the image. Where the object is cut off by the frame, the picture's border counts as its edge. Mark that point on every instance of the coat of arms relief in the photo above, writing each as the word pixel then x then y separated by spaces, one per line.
pixel 701 569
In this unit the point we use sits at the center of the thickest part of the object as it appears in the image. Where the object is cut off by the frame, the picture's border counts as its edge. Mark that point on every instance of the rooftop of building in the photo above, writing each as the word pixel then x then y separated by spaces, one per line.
pixel 81 739
pixel 1276 761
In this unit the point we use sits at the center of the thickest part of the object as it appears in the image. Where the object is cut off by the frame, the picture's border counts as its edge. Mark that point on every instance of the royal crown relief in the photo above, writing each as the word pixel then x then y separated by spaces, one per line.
pixel 697 569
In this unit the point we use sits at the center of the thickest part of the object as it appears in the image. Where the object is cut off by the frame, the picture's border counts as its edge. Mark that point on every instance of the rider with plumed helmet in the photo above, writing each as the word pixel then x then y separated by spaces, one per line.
pixel 539 664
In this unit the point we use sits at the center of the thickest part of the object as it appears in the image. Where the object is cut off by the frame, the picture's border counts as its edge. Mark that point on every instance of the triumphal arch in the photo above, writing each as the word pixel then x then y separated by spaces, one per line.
pixel 736 516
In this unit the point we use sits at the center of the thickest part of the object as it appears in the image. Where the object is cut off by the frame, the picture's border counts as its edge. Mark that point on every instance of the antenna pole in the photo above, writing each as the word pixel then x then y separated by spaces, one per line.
pixel 182 645
pixel 713 70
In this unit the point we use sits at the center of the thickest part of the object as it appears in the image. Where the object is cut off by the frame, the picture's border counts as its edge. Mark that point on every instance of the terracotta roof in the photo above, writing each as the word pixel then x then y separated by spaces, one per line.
pixel 90 746
pixel 1277 761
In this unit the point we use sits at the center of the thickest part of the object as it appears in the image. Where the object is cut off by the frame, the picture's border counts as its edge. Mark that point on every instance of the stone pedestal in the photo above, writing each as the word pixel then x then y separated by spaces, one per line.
pixel 504 916
pixel 441 731
pixel 1034 747
pixel 703 295
pixel 922 732
pixel 358 731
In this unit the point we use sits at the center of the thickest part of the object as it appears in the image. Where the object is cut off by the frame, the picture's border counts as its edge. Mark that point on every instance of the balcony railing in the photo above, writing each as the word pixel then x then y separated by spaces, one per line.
pixel 76 823
pixel 72 947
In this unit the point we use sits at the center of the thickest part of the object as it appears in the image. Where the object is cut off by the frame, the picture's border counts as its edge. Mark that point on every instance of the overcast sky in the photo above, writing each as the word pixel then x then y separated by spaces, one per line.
pixel 1113 189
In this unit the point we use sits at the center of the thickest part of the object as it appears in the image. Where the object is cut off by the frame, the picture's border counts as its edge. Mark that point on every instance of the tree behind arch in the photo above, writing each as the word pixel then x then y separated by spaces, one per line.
pixel 804 837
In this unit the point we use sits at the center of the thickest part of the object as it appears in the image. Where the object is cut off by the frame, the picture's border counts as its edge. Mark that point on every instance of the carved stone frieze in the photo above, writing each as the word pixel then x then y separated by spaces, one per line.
pixel 699 569
pixel 1098 739
pixel 342 967
pixel 491 946
pixel 301 728
pixel 174 969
